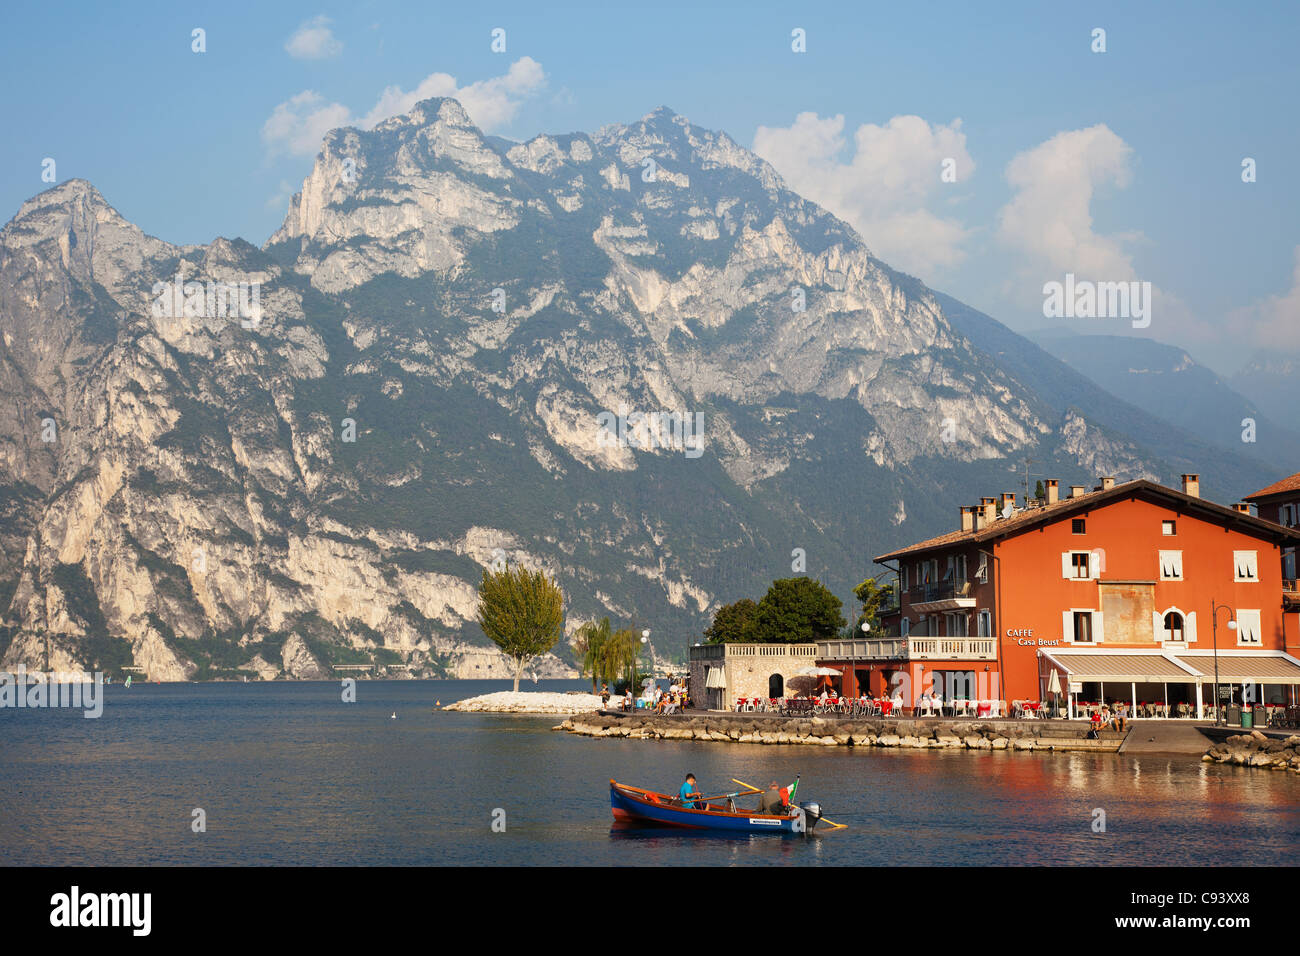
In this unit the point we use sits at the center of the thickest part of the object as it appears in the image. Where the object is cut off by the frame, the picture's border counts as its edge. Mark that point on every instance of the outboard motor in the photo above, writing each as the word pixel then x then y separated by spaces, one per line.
pixel 813 813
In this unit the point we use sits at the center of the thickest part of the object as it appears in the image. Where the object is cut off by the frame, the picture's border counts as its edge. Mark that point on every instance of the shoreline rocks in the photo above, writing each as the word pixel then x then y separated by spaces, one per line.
pixel 509 702
pixel 818 731
pixel 1257 750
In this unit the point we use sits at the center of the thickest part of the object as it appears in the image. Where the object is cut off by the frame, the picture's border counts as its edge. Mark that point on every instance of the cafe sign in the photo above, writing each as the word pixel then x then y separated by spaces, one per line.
pixel 1025 638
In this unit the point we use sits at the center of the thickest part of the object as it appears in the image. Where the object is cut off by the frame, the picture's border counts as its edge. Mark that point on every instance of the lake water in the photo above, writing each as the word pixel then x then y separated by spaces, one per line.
pixel 286 773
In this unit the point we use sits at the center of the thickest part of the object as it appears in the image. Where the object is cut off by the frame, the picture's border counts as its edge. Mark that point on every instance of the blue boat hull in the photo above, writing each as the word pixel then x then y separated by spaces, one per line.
pixel 642 807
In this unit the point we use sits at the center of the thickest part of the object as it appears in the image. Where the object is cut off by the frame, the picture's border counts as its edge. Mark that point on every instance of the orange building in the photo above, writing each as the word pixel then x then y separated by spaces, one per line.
pixel 1280 503
pixel 1130 592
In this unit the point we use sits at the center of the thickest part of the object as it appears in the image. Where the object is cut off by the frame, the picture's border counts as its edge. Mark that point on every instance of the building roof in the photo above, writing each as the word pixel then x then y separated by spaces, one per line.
pixel 1285 486
pixel 1030 518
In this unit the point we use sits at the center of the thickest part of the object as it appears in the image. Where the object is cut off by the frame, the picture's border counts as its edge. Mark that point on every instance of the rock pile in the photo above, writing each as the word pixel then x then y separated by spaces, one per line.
pixel 1257 750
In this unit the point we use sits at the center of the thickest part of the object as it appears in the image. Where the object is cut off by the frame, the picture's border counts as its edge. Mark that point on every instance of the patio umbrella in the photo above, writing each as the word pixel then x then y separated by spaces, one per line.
pixel 817 672
pixel 1054 687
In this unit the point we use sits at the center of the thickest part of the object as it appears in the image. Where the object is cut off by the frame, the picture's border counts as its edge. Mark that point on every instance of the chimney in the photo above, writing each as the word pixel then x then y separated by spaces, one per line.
pixel 1106 483
pixel 967 518
pixel 1007 499
pixel 1192 485
pixel 1242 507
pixel 1076 491
pixel 1053 491
pixel 990 508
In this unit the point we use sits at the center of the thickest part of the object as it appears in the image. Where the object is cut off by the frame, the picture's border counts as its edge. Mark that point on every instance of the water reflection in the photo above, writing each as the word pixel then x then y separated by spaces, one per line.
pixel 288 774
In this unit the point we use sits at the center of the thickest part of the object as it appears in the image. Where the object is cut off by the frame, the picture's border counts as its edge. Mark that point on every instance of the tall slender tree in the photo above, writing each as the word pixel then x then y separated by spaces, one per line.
pixel 521 612
pixel 592 647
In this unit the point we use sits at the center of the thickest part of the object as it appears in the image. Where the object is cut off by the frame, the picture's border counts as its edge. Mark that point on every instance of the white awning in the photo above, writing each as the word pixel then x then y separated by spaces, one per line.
pixel 1261 668
pixel 1122 667
pixel 715 678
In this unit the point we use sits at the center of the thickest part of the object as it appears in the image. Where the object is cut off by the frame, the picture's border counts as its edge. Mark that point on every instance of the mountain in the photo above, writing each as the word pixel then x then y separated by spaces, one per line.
pixel 1272 381
pixel 1226 472
pixel 221 459
pixel 1170 384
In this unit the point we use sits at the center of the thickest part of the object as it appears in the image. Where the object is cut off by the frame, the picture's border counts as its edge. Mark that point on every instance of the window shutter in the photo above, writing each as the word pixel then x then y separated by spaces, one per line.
pixel 1157 625
pixel 1067 625
pixel 1067 565
pixel 1189 627
pixel 1098 627
pixel 1094 565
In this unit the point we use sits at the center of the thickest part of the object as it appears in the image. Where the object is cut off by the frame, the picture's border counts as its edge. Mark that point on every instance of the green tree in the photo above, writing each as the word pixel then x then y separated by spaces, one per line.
pixel 733 623
pixel 521 612
pixel 593 646
pixel 1039 493
pixel 874 596
pixel 797 611
pixel 622 653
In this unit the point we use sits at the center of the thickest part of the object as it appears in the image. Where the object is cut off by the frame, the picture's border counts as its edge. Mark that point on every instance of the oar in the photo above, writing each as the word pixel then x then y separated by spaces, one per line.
pixel 832 823
pixel 739 793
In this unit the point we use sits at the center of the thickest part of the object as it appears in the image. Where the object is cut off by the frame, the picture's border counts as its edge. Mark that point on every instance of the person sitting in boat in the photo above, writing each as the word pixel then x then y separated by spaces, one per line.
pixel 688 794
pixel 772 801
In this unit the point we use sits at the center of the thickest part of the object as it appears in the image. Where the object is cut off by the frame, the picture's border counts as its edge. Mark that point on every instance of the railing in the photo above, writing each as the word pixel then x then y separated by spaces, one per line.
pixel 771 650
pixel 1290 591
pixel 717 652
pixel 944 591
pixel 910 647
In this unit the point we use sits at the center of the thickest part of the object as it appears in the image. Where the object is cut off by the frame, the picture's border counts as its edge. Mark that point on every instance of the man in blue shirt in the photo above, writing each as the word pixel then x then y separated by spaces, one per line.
pixel 688 794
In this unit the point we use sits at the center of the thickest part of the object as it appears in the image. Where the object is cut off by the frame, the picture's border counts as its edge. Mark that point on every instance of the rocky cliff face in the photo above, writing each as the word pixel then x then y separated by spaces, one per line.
pixel 455 352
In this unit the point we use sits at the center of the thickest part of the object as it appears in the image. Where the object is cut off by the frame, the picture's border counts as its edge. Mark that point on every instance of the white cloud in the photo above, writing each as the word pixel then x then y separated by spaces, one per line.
pixel 885 188
pixel 492 103
pixel 297 125
pixel 1274 322
pixel 313 41
pixel 1049 219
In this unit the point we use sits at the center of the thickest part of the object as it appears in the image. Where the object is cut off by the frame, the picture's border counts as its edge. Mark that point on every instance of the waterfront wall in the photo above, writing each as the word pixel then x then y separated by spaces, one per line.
pixel 1026 735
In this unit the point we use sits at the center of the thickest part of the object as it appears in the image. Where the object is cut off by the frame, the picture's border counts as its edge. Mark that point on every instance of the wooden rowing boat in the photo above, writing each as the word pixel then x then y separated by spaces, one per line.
pixel 632 805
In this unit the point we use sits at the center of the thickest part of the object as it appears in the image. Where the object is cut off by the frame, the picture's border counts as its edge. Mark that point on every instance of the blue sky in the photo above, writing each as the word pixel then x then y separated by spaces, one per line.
pixel 1129 161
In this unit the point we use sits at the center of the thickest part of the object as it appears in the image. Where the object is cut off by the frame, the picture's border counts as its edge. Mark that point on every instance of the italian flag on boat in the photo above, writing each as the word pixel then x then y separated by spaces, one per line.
pixel 787 793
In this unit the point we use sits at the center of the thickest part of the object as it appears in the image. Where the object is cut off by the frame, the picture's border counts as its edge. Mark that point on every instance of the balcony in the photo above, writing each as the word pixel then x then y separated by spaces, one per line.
pixel 912 647
pixel 945 596
pixel 1290 594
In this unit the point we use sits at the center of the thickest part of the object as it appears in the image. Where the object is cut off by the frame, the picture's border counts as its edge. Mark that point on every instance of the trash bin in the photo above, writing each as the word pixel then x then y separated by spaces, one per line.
pixel 1261 715
pixel 1247 718
pixel 1234 714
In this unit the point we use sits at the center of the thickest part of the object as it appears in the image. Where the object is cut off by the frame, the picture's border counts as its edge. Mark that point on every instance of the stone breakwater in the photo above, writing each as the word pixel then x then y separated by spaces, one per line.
pixel 509 702
pixel 819 731
pixel 1257 750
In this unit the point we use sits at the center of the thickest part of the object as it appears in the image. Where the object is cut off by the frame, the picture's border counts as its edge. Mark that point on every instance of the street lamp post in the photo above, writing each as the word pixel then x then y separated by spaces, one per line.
pixel 853 658
pixel 1215 608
